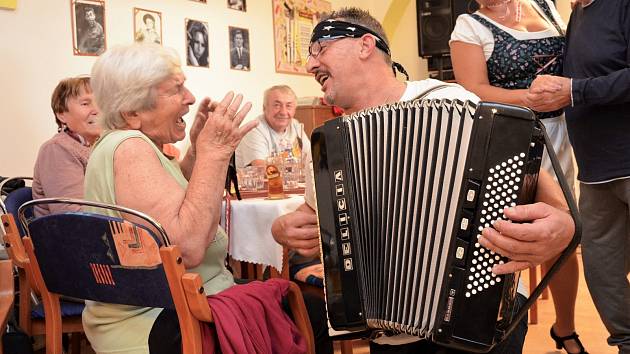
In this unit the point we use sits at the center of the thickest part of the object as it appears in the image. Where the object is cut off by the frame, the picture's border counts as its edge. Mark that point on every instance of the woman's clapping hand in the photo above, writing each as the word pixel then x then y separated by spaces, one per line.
pixel 221 125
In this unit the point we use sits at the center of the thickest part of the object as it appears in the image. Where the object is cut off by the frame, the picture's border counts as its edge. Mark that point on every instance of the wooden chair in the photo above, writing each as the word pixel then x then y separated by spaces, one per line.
pixel 6 295
pixel 31 314
pixel 113 260
pixel 344 344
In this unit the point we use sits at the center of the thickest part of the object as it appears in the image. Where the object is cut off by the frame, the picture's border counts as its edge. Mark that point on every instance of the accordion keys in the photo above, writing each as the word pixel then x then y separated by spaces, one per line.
pixel 403 193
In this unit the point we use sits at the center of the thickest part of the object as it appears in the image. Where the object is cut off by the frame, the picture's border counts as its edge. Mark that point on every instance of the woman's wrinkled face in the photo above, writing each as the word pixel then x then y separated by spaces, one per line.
pixel 165 124
pixel 81 116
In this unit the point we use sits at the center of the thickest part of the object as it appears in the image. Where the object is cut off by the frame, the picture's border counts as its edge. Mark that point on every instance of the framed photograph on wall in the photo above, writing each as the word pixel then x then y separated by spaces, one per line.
pixel 239 48
pixel 147 26
pixel 197 50
pixel 239 5
pixel 88 27
pixel 293 22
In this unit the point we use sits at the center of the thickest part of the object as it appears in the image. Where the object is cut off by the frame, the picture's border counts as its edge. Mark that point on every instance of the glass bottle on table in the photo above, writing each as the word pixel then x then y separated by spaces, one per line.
pixel 274 177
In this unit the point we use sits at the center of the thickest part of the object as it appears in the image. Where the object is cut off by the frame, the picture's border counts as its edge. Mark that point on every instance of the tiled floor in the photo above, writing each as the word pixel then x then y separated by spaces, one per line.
pixel 589 326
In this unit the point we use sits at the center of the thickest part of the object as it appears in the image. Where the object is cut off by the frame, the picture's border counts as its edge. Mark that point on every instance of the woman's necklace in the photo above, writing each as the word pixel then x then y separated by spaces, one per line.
pixel 518 16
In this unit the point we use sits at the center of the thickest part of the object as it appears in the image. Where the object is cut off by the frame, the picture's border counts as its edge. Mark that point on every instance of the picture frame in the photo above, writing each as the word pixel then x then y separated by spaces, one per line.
pixel 88 27
pixel 239 5
pixel 293 23
pixel 197 46
pixel 239 48
pixel 8 4
pixel 147 26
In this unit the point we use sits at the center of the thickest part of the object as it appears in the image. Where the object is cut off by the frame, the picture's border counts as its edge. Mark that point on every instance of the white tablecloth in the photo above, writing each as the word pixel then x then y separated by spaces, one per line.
pixel 250 235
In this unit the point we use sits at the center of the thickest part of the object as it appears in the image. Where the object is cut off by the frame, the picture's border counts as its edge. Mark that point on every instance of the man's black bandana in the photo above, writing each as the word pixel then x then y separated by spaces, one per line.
pixel 335 29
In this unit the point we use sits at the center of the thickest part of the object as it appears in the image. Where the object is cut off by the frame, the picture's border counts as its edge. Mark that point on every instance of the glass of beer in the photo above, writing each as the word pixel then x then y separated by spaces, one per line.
pixel 274 177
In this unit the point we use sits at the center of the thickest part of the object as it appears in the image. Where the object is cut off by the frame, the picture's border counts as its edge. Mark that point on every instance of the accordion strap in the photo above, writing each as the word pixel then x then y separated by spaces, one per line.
pixel 426 92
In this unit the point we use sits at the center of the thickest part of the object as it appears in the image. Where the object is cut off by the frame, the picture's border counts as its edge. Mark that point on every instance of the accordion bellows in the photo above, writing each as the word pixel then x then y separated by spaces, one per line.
pixel 403 192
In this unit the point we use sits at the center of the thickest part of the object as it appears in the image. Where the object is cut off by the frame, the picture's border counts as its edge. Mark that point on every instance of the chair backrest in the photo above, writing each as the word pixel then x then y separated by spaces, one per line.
pixel 8 184
pixel 13 202
pixel 97 257
pixel 108 259
pixel 17 193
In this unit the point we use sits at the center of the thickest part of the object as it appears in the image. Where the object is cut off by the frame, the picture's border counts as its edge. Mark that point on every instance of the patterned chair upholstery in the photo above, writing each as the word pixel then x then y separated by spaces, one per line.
pixel 109 259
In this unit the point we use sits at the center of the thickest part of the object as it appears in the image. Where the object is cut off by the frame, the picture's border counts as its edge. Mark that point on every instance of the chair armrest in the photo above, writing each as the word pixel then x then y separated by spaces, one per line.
pixel 13 241
pixel 300 315
pixel 196 297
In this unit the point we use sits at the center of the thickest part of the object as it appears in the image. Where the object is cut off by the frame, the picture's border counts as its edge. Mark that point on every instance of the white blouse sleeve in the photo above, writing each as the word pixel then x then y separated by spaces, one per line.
pixel 469 30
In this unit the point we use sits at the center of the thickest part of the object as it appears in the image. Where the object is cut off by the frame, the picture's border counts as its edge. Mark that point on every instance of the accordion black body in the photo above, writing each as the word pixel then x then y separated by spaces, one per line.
pixel 403 192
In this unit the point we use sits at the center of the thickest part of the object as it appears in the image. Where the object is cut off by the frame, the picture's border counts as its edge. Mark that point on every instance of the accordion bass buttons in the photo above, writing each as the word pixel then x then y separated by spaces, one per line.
pixel 465 224
pixel 472 194
pixel 461 250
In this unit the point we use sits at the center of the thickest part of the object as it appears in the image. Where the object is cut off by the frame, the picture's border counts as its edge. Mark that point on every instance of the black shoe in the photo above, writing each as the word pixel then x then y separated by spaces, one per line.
pixel 560 341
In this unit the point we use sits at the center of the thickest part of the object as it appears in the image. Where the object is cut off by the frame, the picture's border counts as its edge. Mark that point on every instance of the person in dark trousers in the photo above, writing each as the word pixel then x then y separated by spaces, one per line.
pixel 596 92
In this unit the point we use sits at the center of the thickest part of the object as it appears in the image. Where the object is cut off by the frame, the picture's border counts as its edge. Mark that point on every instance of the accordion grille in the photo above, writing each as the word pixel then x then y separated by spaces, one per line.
pixel 406 173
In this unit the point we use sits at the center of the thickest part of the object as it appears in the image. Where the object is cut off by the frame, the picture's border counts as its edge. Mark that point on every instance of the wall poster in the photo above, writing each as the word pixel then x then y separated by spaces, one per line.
pixel 147 26
pixel 293 22
pixel 197 43
pixel 88 27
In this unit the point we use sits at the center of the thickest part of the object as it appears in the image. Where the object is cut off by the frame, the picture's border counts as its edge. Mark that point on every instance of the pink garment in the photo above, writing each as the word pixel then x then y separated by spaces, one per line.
pixel 59 172
pixel 249 319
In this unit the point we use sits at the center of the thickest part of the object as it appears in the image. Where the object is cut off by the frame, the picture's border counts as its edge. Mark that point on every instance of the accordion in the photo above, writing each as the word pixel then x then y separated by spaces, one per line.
pixel 403 192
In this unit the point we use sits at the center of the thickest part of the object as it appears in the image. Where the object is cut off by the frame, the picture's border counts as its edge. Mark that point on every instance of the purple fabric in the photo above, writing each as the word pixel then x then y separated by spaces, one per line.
pixel 249 319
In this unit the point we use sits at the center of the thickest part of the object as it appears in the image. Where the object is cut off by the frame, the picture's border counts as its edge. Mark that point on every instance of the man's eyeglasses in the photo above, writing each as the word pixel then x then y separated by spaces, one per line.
pixel 316 48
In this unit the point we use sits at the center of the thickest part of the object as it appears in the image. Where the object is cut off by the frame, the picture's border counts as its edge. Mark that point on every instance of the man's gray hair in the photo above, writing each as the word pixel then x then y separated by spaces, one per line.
pixel 125 78
pixel 281 88
pixel 360 17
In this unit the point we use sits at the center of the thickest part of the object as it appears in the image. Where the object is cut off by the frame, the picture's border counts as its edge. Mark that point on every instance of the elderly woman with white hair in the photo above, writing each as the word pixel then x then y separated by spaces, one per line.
pixel 140 90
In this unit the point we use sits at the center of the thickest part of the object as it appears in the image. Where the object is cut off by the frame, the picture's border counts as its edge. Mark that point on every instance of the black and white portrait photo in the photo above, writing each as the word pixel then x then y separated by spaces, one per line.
pixel 240 5
pixel 88 27
pixel 196 43
pixel 147 26
pixel 239 48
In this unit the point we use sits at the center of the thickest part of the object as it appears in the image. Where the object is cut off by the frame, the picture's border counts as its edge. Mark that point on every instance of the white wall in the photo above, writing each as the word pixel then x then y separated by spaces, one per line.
pixel 36 52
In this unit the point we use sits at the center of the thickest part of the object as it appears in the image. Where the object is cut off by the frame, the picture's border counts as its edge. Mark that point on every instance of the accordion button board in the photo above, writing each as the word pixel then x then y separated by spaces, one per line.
pixel 403 193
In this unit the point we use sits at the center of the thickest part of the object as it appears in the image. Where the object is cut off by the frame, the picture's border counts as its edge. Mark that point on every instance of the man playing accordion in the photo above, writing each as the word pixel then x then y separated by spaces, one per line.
pixel 351 60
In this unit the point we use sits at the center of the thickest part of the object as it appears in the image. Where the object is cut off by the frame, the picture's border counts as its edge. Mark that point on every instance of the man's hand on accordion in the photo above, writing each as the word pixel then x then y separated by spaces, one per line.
pixel 298 231
pixel 539 232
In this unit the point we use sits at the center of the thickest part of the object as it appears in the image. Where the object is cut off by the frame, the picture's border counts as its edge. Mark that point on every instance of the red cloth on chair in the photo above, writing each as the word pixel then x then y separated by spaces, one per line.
pixel 249 319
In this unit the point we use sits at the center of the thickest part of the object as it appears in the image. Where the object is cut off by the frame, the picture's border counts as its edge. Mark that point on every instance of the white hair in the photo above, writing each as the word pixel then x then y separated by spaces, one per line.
pixel 124 79
pixel 282 88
